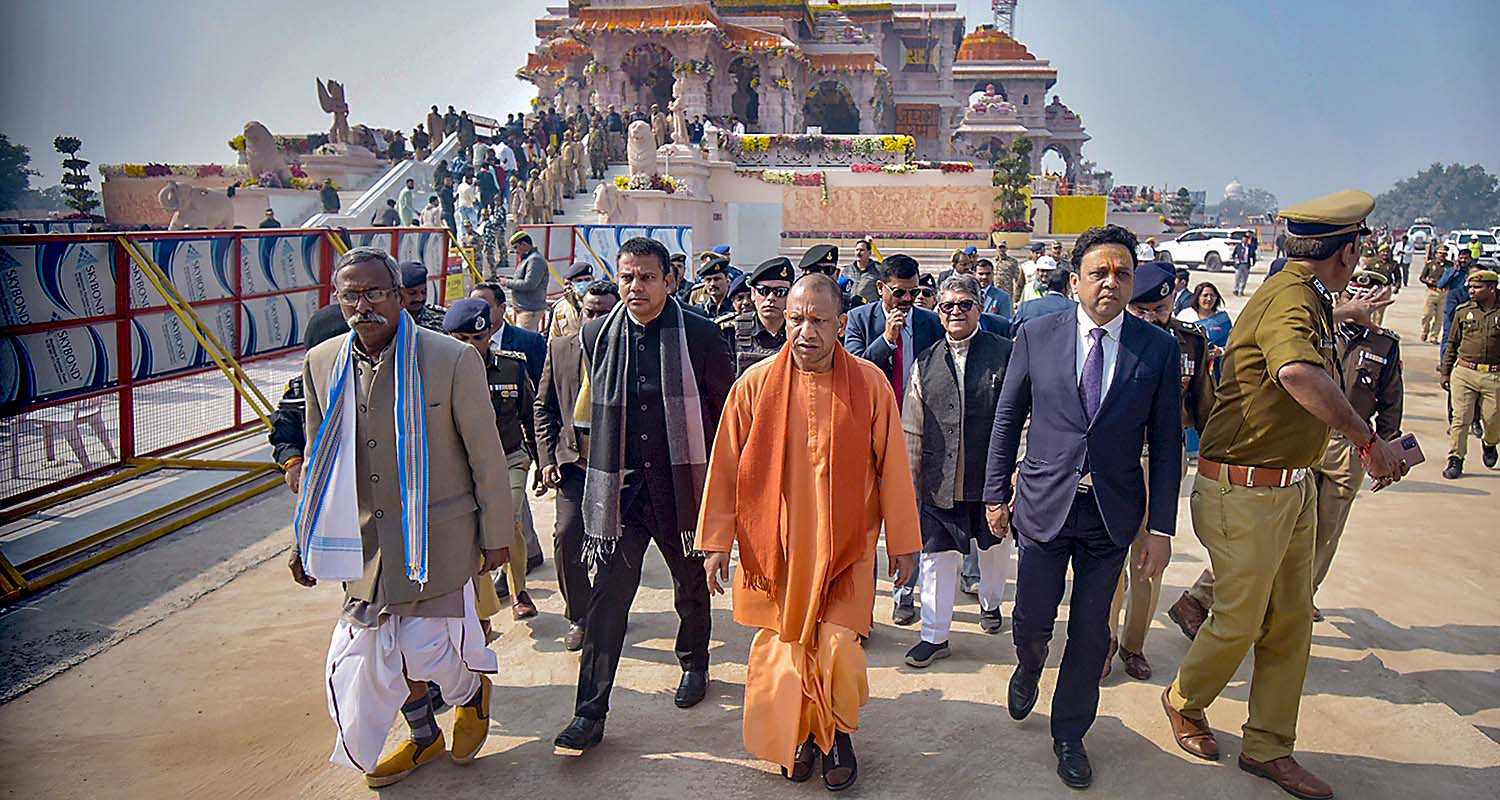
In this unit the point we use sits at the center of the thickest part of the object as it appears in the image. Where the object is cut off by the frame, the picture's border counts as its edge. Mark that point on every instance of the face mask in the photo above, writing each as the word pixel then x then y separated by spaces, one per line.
pixel 581 287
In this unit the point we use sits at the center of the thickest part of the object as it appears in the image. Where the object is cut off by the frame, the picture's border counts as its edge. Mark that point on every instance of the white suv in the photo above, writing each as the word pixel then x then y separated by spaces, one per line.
pixel 1488 244
pixel 1211 247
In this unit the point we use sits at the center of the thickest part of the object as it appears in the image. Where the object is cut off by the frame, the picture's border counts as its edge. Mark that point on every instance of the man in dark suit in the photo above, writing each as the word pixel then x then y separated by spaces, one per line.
pixel 658 376
pixel 890 334
pixel 561 453
pixel 1099 385
pixel 1059 281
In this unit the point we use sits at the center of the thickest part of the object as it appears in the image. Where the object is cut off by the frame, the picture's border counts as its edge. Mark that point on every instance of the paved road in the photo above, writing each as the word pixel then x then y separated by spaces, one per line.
pixel 208 683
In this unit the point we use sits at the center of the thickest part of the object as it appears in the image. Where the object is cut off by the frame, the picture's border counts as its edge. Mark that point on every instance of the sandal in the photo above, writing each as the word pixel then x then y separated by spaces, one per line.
pixel 840 760
pixel 802 762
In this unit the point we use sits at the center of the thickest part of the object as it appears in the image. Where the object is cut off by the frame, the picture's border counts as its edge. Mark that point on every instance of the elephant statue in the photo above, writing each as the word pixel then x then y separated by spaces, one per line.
pixel 262 155
pixel 193 207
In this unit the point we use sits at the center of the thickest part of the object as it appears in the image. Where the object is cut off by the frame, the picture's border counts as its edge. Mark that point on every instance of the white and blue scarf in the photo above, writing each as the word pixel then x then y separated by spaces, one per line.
pixel 327 523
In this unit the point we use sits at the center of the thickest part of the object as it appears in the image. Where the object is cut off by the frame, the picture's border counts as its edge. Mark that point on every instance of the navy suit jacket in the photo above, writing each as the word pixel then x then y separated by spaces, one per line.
pixel 997 323
pixel 1042 306
pixel 1143 406
pixel 534 345
pixel 864 336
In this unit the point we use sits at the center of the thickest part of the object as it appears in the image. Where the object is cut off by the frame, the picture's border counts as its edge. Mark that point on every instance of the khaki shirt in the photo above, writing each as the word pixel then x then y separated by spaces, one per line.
pixel 1254 422
pixel 1475 337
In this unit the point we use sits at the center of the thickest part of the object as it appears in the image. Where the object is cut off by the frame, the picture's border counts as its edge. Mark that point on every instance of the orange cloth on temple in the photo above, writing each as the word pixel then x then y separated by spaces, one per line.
pixel 807 591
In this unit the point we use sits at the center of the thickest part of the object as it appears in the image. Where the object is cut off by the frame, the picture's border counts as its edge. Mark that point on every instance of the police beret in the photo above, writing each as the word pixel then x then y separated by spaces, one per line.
pixel 926 279
pixel 518 237
pixel 1330 215
pixel 1369 277
pixel 413 273
pixel 971 250
pixel 819 255
pixel 718 265
pixel 1484 276
pixel 722 250
pixel 469 315
pixel 580 269
pixel 1152 283
pixel 777 269
pixel 1036 247
pixel 738 285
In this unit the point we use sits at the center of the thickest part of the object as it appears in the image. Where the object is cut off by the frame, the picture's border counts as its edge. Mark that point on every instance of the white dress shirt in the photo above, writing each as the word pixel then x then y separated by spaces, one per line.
pixel 1110 343
pixel 507 158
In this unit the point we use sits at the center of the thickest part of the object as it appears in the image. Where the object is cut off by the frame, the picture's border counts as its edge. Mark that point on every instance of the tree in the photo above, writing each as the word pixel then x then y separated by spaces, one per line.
pixel 15 173
pixel 1246 204
pixel 1012 176
pixel 1455 196
pixel 75 181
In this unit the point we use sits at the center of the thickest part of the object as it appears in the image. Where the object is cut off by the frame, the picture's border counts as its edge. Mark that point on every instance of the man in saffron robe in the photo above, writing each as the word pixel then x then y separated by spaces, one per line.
pixel 808 462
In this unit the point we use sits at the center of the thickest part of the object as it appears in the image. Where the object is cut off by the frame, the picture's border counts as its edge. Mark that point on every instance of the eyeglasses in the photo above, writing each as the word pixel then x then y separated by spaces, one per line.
pixel 959 306
pixel 351 297
pixel 924 292
pixel 901 294
pixel 771 291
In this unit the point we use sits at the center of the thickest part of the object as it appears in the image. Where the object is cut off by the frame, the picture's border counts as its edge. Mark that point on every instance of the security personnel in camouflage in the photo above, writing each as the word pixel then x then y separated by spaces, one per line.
pixel 414 295
pixel 1371 360
pixel 759 334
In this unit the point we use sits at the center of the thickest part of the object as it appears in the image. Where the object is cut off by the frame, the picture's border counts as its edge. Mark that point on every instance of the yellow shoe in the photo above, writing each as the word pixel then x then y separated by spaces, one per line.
pixel 403 762
pixel 471 726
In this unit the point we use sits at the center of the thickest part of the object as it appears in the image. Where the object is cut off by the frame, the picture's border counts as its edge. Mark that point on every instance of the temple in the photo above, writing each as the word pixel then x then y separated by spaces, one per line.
pixel 790 66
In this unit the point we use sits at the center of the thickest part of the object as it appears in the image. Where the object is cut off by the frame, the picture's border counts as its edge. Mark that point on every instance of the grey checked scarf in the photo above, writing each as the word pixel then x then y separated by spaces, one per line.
pixel 610 373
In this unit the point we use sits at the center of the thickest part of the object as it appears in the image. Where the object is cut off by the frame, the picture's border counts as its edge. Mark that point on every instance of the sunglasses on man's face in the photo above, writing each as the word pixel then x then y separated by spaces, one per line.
pixel 902 294
pixel 957 306
pixel 771 291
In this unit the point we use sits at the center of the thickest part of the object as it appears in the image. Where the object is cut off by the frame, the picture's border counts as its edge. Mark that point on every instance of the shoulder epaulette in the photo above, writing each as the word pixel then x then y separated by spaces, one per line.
pixel 1388 332
pixel 726 321
pixel 512 354
pixel 1189 328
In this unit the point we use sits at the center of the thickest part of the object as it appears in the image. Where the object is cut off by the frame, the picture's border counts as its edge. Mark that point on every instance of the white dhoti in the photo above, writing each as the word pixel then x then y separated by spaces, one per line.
pixel 940 572
pixel 366 682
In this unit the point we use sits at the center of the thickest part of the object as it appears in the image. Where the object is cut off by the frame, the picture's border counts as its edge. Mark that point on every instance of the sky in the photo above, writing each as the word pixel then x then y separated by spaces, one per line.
pixel 1299 97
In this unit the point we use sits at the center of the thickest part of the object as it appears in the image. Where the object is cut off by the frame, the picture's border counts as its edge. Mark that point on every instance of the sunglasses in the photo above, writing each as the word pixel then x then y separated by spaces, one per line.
pixel 959 306
pixel 771 291
pixel 925 292
pixel 901 294
pixel 351 297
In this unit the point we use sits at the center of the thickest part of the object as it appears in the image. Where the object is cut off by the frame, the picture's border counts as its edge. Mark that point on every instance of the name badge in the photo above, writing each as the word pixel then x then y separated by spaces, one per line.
pixel 1367 355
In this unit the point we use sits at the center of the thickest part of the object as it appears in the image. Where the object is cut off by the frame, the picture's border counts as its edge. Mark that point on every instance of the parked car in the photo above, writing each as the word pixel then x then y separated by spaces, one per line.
pixel 1210 247
pixel 1488 243
pixel 1419 234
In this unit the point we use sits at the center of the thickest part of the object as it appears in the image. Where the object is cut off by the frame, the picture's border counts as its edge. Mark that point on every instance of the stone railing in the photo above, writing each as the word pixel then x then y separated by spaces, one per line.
pixel 810 150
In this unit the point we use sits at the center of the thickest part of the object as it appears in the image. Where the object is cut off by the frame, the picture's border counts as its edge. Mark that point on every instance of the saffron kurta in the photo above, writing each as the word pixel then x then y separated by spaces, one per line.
pixel 806 669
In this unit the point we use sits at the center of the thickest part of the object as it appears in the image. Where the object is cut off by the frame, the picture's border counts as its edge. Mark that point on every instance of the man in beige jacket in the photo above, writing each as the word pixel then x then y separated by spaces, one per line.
pixel 420 513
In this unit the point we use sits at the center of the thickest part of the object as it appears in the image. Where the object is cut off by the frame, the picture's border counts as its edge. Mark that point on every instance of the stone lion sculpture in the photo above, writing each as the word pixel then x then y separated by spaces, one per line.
pixel 262 155
pixel 640 149
pixel 193 207
pixel 609 204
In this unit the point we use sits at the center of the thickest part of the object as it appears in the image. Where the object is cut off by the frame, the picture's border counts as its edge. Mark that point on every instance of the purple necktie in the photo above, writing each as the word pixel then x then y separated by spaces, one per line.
pixel 1092 386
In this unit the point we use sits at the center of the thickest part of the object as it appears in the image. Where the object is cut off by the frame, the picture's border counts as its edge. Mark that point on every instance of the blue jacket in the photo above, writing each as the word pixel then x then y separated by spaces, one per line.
pixel 1144 404
pixel 1048 303
pixel 534 345
pixel 1457 284
pixel 864 336
pixel 998 301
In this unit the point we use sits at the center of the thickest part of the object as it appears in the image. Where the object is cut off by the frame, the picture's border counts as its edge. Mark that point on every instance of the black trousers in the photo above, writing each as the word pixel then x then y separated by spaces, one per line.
pixel 615 584
pixel 567 545
pixel 1041 576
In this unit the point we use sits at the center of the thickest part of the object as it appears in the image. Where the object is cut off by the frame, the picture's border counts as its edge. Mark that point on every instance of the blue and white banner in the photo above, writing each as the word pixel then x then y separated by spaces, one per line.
pixel 275 323
pixel 40 366
pixel 379 240
pixel 198 268
pixel 423 246
pixel 161 344
pixel 274 263
pixel 604 243
pixel 56 281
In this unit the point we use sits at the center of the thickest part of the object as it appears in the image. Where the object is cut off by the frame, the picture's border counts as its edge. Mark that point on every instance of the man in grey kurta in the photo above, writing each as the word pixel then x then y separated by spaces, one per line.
pixel 528 288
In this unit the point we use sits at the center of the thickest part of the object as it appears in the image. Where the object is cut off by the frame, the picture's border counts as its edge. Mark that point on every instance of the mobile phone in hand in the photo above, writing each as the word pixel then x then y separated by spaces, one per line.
pixel 1411 452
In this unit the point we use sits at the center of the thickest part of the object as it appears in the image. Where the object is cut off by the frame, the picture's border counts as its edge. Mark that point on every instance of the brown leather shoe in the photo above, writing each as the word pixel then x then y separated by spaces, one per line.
pixel 522 607
pixel 1109 659
pixel 1136 665
pixel 1192 735
pixel 1189 614
pixel 1290 776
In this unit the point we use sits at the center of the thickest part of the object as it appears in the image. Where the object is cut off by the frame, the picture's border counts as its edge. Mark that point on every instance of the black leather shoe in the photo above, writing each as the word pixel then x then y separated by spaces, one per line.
pixel 573 641
pixel 691 690
pixel 581 734
pixel 1455 468
pixel 802 762
pixel 1022 694
pixel 840 768
pixel 1491 455
pixel 904 615
pixel 1073 764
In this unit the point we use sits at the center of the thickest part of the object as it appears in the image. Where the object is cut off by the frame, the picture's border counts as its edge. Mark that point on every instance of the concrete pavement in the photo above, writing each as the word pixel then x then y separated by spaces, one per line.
pixel 208 681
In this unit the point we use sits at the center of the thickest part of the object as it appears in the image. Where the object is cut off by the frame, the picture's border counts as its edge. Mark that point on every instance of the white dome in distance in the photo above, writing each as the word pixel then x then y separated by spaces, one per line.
pixel 1233 189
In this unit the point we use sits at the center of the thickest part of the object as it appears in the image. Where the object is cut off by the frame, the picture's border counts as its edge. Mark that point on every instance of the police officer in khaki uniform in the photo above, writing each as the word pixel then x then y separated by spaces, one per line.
pixel 514 399
pixel 1432 306
pixel 759 334
pixel 1371 361
pixel 1471 371
pixel 1253 502
pixel 1155 296
pixel 1385 266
